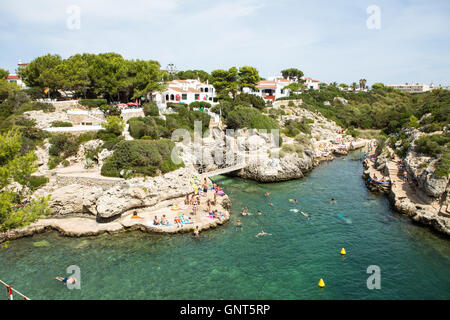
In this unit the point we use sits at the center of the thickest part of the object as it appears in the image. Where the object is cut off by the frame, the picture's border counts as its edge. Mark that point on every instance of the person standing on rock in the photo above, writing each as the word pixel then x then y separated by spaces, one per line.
pixel 205 187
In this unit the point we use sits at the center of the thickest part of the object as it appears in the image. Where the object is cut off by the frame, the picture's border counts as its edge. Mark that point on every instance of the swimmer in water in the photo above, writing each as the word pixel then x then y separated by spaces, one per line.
pixel 239 225
pixel 270 204
pixel 262 233
pixel 243 213
pixel 246 209
pixel 294 201
pixel 196 232
pixel 66 280
pixel 259 213
pixel 267 194
pixel 305 214
pixel 333 200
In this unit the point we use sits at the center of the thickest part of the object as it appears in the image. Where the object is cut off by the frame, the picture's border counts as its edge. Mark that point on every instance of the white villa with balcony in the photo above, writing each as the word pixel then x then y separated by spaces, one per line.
pixel 184 91
pixel 274 88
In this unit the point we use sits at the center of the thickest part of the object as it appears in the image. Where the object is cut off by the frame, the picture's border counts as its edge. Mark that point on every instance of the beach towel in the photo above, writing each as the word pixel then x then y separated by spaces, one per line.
pixel 183 221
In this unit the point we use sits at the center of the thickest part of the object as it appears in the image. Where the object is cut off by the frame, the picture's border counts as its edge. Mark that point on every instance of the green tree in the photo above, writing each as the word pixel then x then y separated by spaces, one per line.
pixel 362 83
pixel 3 73
pixel 414 122
pixel 292 74
pixel 248 77
pixel 15 167
pixel 147 78
pixel 194 74
pixel 225 81
pixel 295 87
pixel 114 125
pixel 110 110
pixel 74 75
pixel 150 109
pixel 106 71
pixel 41 73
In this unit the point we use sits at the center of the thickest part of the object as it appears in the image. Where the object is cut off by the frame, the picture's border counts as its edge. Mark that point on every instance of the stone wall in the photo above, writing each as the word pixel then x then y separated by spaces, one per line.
pixel 104 182
pixel 64 105
pixel 77 119
pixel 128 115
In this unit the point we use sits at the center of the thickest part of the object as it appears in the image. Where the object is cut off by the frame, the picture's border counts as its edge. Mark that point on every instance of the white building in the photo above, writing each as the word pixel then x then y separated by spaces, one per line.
pixel 411 88
pixel 184 91
pixel 270 89
pixel 16 79
pixel 274 88
pixel 310 83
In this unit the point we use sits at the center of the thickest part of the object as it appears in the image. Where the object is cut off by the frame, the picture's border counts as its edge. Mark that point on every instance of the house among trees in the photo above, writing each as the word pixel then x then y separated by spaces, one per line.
pixel 15 78
pixel 277 87
pixel 184 91
pixel 310 83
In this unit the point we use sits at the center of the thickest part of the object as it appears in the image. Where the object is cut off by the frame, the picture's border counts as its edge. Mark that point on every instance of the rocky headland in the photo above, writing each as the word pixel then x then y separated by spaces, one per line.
pixel 411 184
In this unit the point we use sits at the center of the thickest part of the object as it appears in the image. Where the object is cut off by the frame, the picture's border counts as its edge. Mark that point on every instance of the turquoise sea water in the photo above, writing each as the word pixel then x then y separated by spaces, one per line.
pixel 226 263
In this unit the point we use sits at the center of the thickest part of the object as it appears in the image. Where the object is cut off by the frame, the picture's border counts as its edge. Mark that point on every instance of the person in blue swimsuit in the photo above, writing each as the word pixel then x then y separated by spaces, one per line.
pixel 66 280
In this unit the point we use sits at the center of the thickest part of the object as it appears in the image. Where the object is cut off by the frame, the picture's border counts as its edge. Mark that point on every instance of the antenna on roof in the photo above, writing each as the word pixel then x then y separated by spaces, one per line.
pixel 171 68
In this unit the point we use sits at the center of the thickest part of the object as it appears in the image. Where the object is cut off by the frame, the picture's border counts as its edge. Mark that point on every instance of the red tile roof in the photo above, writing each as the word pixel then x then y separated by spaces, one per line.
pixel 13 77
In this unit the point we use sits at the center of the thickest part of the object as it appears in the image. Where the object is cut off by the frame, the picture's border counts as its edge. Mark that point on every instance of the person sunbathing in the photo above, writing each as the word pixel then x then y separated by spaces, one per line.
pixel 164 220
pixel 135 215
pixel 156 221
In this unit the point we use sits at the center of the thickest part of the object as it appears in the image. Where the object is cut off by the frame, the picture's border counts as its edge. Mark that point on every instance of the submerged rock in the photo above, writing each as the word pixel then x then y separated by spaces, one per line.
pixel 43 243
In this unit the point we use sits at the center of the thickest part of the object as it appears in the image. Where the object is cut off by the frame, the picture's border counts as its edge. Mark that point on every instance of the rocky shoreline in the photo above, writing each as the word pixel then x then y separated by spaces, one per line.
pixel 80 210
pixel 405 197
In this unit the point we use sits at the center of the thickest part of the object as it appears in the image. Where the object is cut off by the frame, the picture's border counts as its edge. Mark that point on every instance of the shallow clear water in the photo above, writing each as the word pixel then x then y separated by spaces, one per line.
pixel 226 263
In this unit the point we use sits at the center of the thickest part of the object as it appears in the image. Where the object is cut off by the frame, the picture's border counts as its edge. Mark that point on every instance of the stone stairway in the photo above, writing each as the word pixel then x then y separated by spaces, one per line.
pixel 403 189
pixel 126 132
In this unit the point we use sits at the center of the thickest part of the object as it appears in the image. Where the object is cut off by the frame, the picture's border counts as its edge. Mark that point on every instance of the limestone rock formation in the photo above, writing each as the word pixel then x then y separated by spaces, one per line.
pixel 125 195
pixel 45 119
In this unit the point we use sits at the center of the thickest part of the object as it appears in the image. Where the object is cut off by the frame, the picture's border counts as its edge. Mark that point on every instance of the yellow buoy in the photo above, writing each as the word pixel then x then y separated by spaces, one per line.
pixel 321 283
pixel 343 251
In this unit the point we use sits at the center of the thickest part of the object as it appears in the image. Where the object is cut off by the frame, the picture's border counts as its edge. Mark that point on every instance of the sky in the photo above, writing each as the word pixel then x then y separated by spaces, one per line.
pixel 401 41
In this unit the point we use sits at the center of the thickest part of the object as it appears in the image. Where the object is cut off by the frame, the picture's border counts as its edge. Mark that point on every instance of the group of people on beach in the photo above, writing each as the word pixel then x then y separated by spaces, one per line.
pixel 195 200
